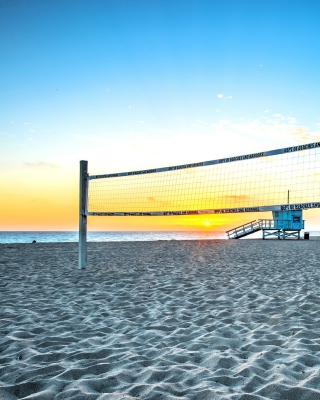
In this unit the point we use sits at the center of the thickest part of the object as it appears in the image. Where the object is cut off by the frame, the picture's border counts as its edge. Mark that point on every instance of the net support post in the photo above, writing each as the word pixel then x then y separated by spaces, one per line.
pixel 83 196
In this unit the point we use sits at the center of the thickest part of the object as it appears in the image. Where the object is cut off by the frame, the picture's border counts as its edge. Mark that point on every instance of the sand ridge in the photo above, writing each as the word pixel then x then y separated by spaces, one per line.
pixel 200 320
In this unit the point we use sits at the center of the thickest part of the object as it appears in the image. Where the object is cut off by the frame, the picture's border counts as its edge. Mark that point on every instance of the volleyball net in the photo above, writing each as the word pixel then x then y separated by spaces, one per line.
pixel 281 179
pixel 252 182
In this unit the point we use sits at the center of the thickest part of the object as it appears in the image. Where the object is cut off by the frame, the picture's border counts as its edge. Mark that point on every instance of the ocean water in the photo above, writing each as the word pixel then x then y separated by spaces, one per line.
pixel 72 236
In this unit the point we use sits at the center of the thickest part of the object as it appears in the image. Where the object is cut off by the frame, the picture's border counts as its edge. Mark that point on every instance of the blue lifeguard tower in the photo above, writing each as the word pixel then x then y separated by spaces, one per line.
pixel 287 223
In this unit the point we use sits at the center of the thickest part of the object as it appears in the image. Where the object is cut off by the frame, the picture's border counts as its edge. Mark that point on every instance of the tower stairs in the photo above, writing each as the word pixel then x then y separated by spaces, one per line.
pixel 245 230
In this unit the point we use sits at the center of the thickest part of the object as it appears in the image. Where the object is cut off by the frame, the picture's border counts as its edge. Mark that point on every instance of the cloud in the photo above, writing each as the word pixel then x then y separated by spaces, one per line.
pixel 40 164
pixel 240 197
pixel 153 200
pixel 291 120
pixel 266 133
pixel 279 116
pixel 221 96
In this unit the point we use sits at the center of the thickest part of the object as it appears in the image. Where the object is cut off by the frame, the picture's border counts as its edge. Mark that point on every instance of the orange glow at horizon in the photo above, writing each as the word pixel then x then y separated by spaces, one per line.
pixel 41 206
pixel 39 202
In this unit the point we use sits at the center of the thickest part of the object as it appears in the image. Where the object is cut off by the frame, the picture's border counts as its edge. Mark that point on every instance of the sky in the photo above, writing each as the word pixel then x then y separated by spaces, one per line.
pixel 133 85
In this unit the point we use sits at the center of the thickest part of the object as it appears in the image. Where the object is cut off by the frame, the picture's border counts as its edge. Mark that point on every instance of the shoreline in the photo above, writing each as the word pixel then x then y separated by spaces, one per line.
pixel 7 237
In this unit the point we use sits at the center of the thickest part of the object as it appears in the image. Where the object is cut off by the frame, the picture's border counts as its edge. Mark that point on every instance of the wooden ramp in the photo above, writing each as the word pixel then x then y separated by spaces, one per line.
pixel 245 230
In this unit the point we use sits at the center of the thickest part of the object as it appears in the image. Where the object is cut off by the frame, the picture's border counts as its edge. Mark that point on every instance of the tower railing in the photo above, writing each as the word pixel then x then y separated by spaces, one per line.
pixel 243 230
pixel 280 224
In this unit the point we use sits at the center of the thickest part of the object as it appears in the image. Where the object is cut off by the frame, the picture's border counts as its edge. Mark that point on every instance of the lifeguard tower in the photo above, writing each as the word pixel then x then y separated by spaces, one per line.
pixel 284 224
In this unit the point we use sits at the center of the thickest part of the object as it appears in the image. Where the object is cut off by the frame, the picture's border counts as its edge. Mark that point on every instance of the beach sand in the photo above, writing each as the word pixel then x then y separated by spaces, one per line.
pixel 200 320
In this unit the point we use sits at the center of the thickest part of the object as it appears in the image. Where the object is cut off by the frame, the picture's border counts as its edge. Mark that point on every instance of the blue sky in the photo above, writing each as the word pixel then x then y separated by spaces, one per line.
pixel 136 84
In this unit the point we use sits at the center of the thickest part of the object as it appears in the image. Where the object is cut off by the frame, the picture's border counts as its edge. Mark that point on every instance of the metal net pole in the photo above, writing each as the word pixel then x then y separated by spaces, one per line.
pixel 83 190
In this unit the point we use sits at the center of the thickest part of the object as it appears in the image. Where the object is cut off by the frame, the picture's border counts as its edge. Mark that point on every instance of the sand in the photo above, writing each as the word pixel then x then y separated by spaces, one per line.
pixel 161 320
